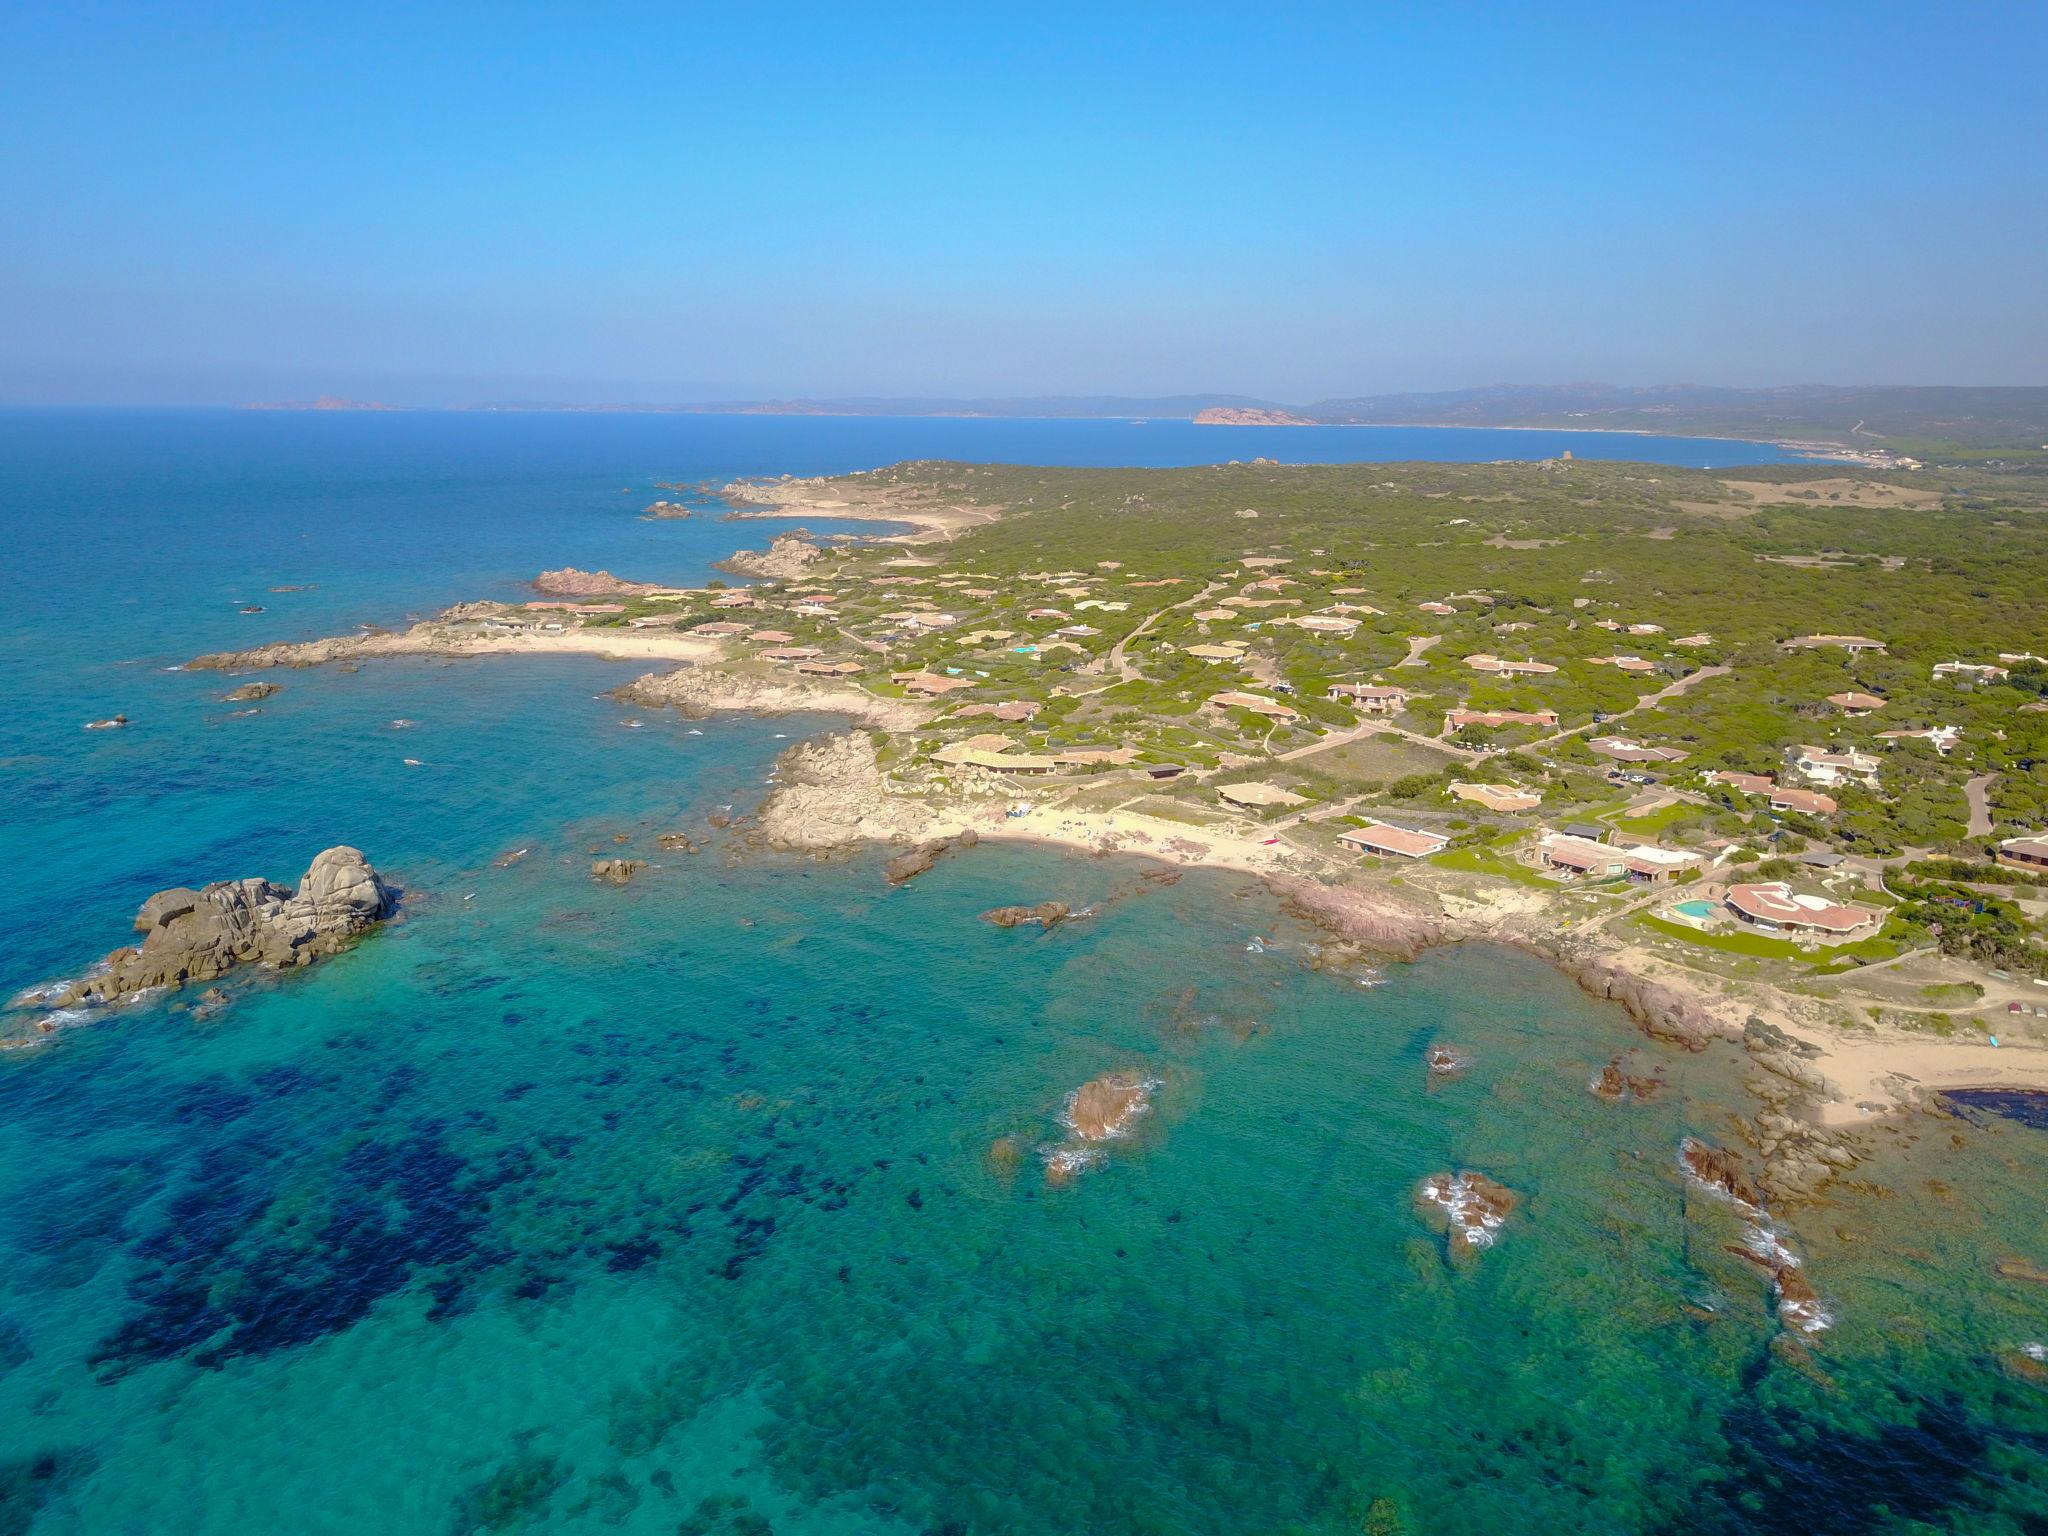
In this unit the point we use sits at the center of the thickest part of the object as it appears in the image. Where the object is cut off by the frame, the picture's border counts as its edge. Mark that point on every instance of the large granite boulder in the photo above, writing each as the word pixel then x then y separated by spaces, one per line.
pixel 197 935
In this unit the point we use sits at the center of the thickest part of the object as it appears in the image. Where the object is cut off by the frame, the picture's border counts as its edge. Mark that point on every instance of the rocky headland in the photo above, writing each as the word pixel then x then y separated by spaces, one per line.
pixel 699 691
pixel 570 582
pixel 788 556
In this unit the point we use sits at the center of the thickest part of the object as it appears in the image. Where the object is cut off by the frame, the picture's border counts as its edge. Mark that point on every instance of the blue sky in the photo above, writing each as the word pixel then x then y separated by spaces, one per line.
pixel 441 203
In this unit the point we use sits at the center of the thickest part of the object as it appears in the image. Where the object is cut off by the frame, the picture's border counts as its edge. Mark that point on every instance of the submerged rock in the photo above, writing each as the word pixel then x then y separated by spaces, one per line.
pixel 197 935
pixel 1472 1207
pixel 249 693
pixel 1105 1106
pixel 913 862
pixel 1101 1110
pixel 615 871
pixel 1047 914
pixel 678 842
pixel 1447 1061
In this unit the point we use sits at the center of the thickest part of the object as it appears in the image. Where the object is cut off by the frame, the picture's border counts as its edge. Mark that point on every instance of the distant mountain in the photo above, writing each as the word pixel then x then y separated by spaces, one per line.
pixel 321 403
pixel 1021 406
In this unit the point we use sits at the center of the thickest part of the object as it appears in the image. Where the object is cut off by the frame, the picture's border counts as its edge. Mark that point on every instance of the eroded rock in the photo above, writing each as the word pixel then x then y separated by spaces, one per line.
pixel 197 935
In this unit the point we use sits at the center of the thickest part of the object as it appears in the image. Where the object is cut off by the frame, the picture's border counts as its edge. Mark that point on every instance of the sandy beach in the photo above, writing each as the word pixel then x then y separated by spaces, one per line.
pixel 435 638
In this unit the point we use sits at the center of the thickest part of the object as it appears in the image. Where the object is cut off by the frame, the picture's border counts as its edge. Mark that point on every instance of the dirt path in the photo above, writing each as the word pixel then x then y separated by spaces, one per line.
pixel 1374 728
pixel 1977 793
pixel 1417 644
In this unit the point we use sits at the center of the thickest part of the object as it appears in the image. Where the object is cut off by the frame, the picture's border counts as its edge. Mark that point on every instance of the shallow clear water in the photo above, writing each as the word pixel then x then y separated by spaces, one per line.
pixel 562 1207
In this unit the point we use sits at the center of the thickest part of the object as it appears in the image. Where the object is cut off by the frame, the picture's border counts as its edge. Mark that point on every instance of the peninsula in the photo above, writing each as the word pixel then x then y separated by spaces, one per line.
pixel 1760 755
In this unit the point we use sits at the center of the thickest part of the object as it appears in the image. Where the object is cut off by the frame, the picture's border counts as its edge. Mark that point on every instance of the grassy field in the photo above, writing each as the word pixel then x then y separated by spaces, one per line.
pixel 1484 861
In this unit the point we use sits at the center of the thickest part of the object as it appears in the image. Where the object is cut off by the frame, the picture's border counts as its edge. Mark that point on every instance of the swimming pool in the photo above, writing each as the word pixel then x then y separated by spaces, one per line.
pixel 1695 908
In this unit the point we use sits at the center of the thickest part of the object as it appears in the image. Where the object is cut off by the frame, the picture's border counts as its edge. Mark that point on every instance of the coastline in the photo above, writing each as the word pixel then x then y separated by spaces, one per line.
pixel 1841 1077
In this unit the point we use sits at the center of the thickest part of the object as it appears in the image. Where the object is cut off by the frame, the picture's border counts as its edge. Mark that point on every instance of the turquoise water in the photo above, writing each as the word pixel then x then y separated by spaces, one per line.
pixel 559 1207
pixel 1696 908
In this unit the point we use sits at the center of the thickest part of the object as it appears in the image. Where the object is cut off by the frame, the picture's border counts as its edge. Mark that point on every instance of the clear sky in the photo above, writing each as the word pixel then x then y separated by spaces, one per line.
pixel 431 204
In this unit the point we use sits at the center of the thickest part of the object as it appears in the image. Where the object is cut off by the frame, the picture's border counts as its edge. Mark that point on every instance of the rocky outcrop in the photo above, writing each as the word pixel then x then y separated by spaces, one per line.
pixel 615 871
pixel 1376 918
pixel 570 582
pixel 1661 1012
pixel 303 653
pixel 197 935
pixel 667 509
pixel 1615 1083
pixel 1047 915
pixel 1470 1207
pixel 249 693
pixel 788 556
pixel 912 862
pixel 831 794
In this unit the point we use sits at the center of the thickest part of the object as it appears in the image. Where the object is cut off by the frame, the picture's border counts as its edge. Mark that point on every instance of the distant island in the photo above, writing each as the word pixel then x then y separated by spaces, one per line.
pixel 2002 427
pixel 1249 416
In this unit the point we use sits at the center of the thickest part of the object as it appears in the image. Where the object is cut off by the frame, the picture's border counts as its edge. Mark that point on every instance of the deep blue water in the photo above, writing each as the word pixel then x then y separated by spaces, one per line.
pixel 677 1208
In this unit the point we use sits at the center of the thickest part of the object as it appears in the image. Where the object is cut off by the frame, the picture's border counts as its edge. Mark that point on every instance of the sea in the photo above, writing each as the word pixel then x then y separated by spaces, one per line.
pixel 720 1203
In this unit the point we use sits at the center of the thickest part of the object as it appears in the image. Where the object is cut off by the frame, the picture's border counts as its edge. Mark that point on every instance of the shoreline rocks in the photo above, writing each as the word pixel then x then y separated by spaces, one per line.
pixel 907 866
pixel 1379 920
pixel 197 935
pixel 1661 1012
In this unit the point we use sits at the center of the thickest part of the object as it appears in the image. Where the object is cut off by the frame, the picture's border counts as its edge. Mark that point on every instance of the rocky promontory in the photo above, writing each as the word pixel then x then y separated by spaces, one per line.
pixel 570 582
pixel 707 690
pixel 197 935
pixel 830 794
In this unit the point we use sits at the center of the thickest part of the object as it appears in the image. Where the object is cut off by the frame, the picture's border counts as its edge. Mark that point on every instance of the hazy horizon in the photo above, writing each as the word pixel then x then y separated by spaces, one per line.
pixel 652 207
